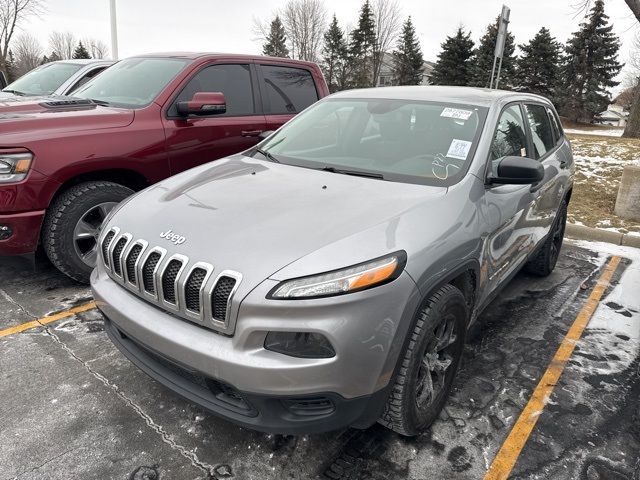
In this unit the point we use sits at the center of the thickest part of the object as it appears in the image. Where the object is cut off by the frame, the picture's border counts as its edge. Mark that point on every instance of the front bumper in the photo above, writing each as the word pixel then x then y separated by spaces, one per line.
pixel 26 232
pixel 271 390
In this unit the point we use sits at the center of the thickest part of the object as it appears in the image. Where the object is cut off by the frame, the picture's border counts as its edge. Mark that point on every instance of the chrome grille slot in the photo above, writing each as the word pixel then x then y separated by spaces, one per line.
pixel 148 270
pixel 169 277
pixel 117 253
pixel 130 262
pixel 192 289
pixel 105 246
pixel 221 296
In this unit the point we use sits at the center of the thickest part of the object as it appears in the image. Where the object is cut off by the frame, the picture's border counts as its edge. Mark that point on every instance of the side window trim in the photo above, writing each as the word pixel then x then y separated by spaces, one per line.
pixel 257 106
pixel 487 164
pixel 78 83
pixel 557 144
pixel 263 85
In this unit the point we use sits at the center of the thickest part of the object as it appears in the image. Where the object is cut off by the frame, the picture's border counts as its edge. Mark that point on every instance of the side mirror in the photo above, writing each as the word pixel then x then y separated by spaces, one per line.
pixel 518 171
pixel 203 104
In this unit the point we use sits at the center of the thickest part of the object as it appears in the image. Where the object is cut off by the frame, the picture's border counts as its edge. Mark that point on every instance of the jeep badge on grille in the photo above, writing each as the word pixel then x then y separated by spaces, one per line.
pixel 173 237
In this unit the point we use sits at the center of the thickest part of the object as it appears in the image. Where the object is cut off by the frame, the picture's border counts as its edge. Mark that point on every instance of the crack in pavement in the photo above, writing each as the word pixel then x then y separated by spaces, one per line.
pixel 166 438
pixel 33 469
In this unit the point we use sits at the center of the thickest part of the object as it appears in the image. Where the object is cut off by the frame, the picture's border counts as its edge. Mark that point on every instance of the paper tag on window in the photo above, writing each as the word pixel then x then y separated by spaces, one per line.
pixel 459 149
pixel 456 113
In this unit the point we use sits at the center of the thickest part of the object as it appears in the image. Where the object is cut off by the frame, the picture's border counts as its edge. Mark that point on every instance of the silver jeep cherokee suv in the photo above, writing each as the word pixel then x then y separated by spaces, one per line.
pixel 327 277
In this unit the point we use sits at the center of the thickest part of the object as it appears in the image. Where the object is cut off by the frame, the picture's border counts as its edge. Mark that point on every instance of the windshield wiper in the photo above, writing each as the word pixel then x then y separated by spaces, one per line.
pixel 357 173
pixel 267 155
pixel 102 103
pixel 15 92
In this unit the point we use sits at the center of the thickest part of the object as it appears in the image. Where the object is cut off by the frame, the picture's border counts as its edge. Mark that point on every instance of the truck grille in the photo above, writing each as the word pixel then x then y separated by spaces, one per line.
pixel 171 282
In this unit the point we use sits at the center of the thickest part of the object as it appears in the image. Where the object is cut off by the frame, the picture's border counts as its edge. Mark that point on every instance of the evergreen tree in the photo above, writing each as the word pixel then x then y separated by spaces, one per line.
pixel 361 48
pixel 591 64
pixel 81 52
pixel 276 41
pixel 538 69
pixel 455 61
pixel 334 53
pixel 408 63
pixel 481 76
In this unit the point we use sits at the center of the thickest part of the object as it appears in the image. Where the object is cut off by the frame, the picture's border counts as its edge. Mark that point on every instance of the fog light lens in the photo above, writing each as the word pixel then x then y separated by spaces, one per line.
pixel 299 344
pixel 5 232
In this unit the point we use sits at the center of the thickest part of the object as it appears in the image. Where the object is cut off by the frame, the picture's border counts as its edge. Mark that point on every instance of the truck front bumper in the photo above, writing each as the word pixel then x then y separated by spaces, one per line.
pixel 19 232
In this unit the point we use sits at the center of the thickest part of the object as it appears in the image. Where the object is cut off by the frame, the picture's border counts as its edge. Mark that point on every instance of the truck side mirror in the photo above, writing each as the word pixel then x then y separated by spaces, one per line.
pixel 203 104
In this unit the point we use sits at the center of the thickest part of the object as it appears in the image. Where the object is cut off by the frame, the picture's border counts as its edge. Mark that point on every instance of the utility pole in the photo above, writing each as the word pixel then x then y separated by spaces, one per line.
pixel 500 41
pixel 114 30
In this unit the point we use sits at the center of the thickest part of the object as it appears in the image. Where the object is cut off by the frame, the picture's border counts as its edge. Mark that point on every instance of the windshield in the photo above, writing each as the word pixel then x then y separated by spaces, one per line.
pixel 132 83
pixel 399 140
pixel 43 80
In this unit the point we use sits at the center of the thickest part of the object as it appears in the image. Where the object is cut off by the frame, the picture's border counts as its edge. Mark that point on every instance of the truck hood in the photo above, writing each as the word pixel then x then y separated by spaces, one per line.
pixel 24 114
pixel 256 217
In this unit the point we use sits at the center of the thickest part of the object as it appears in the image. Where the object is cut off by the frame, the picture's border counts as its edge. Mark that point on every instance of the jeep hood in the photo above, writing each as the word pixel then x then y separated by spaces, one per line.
pixel 257 217
pixel 28 114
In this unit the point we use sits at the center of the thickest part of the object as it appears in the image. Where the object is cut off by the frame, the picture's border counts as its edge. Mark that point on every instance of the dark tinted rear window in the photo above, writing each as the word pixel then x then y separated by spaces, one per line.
pixel 541 132
pixel 289 90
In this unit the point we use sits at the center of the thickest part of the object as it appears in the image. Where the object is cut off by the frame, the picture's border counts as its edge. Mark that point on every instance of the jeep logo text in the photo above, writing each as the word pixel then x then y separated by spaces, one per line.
pixel 173 237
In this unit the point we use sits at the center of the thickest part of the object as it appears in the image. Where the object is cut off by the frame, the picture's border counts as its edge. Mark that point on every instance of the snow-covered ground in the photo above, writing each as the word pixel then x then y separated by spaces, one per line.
pixel 612 132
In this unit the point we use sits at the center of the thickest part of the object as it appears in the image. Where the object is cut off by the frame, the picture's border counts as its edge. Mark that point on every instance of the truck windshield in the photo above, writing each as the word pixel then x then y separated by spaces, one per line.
pixel 43 80
pixel 398 140
pixel 132 83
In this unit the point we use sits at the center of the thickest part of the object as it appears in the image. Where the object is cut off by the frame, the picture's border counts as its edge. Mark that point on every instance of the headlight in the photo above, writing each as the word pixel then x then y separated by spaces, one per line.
pixel 14 166
pixel 347 280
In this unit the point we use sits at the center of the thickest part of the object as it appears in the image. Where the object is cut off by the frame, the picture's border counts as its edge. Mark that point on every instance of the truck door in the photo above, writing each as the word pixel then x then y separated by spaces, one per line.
pixel 194 141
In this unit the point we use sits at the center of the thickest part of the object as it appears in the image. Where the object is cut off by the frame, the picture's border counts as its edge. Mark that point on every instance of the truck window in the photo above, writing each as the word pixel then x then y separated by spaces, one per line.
pixel 85 78
pixel 233 80
pixel 288 90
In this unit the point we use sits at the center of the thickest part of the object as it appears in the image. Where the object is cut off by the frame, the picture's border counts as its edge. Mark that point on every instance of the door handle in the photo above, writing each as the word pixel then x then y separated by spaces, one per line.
pixel 251 133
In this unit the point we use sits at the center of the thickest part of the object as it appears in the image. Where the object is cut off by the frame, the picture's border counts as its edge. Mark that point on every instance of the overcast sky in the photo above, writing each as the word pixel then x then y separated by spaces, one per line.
pixel 226 25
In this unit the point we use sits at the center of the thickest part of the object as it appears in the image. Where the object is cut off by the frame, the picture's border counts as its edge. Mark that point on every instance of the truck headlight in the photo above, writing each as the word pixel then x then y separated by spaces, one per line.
pixel 347 280
pixel 14 166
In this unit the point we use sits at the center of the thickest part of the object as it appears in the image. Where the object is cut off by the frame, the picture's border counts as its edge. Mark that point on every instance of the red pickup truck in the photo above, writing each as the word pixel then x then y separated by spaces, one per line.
pixel 66 162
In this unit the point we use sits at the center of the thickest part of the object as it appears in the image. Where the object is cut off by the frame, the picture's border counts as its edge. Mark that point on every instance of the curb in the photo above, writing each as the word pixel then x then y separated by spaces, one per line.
pixel 581 232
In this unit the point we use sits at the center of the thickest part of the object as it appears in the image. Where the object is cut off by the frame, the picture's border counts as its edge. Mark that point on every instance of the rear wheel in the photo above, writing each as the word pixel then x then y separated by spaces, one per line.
pixel 545 260
pixel 73 223
pixel 429 365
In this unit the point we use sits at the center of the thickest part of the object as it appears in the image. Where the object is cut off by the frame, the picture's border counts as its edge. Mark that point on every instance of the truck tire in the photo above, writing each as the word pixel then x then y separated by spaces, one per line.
pixel 429 363
pixel 543 263
pixel 72 226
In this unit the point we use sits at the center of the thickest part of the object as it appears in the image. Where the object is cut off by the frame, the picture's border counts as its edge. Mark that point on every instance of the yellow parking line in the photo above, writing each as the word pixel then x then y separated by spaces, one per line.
pixel 48 319
pixel 512 446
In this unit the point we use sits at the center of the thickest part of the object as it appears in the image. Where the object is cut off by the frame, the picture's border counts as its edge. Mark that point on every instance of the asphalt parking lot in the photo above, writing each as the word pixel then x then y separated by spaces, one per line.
pixel 71 406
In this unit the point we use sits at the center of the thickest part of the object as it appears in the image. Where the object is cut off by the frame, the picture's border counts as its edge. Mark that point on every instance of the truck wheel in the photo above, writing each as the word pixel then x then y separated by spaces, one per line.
pixel 72 226
pixel 429 365
pixel 543 263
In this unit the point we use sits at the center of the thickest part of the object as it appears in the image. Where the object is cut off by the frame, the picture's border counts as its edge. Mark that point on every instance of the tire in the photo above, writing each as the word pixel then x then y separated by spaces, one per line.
pixel 62 229
pixel 409 408
pixel 543 263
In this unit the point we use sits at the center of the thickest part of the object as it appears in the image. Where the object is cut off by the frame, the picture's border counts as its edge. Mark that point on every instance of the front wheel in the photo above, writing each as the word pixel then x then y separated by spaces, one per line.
pixel 429 365
pixel 72 226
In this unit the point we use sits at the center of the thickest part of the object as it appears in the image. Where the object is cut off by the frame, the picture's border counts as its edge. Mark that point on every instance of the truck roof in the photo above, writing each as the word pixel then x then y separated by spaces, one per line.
pixel 238 56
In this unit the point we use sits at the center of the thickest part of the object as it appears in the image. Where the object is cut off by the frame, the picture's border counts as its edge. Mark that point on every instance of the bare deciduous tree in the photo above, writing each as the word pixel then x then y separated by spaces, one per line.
pixel 63 44
pixel 388 22
pixel 27 52
pixel 97 48
pixel 12 12
pixel 304 22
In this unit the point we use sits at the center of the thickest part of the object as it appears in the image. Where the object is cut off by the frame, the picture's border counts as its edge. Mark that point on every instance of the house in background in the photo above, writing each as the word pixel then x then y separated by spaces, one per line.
pixel 614 115
pixel 385 79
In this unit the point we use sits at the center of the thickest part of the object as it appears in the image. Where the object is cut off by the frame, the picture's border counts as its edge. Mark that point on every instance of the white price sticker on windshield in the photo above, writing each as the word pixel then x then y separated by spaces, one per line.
pixel 459 149
pixel 456 113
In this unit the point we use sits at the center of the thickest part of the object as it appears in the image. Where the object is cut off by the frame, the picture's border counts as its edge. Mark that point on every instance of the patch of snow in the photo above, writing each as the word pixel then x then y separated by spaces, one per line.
pixel 613 132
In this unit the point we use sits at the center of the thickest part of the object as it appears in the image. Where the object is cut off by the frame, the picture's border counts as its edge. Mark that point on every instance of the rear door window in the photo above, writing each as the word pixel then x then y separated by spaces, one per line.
pixel 287 90
pixel 541 131
pixel 555 125
pixel 233 80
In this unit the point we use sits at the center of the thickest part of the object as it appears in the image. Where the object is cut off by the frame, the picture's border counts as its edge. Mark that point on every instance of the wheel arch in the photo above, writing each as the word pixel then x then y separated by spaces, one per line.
pixel 123 176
